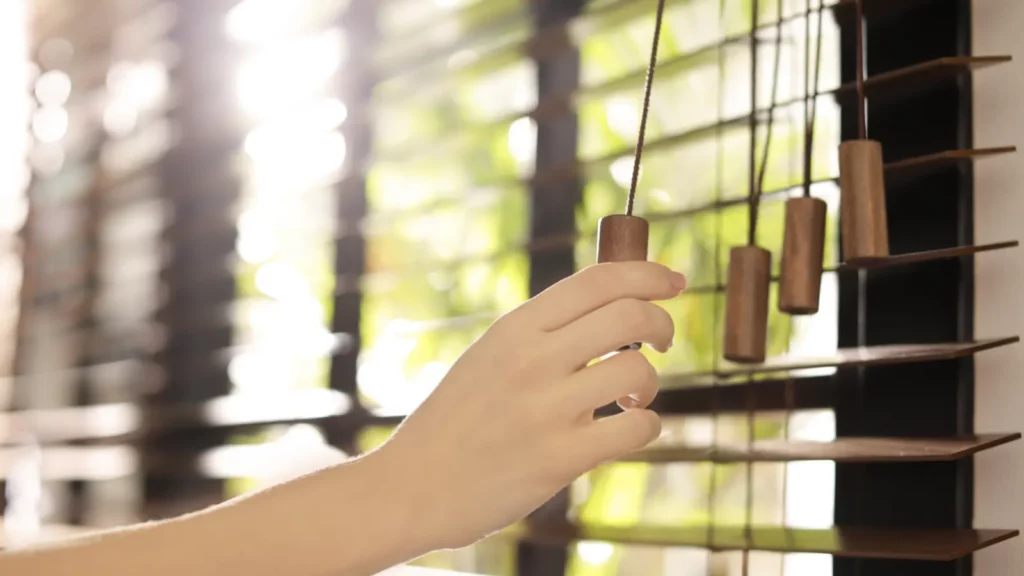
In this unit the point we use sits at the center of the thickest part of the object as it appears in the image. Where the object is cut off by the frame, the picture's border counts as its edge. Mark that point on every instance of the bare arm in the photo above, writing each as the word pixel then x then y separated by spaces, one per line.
pixel 509 426
pixel 350 519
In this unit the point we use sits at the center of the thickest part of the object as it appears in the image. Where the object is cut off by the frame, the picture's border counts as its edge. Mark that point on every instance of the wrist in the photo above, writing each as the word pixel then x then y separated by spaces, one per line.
pixel 403 512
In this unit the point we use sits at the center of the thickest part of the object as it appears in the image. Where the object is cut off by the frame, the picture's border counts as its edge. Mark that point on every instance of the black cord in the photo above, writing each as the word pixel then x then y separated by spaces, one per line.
pixel 752 125
pixel 811 98
pixel 862 123
pixel 755 198
pixel 646 107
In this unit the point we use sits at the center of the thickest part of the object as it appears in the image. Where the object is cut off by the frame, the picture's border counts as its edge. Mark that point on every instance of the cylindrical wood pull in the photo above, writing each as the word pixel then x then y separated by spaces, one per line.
pixel 803 250
pixel 622 238
pixel 862 185
pixel 746 304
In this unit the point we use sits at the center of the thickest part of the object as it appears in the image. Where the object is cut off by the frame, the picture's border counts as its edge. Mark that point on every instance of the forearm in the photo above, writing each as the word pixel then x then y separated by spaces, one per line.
pixel 354 519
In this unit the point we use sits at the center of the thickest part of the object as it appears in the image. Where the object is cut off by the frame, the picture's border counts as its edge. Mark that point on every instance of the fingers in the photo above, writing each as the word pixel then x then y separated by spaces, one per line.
pixel 627 375
pixel 615 436
pixel 598 286
pixel 611 327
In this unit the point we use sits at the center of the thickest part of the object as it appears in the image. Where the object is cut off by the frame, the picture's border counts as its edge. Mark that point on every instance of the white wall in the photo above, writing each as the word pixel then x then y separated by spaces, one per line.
pixel 999 301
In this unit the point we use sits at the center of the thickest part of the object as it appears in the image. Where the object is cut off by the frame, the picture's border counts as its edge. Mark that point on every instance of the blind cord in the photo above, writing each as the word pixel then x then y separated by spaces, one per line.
pixel 862 123
pixel 755 198
pixel 811 101
pixel 645 109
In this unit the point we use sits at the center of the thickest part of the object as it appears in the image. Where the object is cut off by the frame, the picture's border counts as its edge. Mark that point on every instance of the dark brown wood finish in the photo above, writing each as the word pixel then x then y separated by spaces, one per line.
pixel 121 421
pixel 864 356
pixel 905 82
pixel 96 462
pixel 902 171
pixel 746 304
pixel 929 256
pixel 803 249
pixel 622 238
pixel 125 422
pixel 839 450
pixel 900 83
pixel 417 65
pixel 936 545
pixel 920 167
pixel 862 188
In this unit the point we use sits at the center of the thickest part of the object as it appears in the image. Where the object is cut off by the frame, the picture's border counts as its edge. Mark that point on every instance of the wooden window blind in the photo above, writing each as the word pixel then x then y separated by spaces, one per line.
pixel 451 159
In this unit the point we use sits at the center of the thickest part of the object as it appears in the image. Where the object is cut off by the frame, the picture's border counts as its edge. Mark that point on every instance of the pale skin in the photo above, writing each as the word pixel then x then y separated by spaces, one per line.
pixel 509 426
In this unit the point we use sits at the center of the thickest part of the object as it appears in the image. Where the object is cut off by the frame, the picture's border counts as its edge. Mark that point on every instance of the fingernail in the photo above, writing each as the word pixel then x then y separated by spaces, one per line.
pixel 678 281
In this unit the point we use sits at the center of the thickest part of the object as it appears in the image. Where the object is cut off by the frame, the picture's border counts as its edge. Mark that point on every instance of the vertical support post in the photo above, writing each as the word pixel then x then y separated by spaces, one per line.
pixel 928 303
pixel 553 213
pixel 198 182
pixel 355 89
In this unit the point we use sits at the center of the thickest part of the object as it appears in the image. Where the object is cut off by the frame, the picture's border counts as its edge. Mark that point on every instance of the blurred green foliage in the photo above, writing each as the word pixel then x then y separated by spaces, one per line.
pixel 452 216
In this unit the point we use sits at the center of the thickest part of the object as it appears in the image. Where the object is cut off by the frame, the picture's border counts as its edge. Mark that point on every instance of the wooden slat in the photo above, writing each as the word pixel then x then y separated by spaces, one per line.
pixel 420 61
pixel 898 173
pixel 64 463
pixel 840 450
pixel 854 357
pixel 928 256
pixel 104 462
pixel 679 396
pixel 886 86
pixel 913 79
pixel 125 421
pixel 899 544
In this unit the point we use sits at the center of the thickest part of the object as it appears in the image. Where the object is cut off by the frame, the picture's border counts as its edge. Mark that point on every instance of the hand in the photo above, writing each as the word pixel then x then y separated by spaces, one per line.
pixel 513 421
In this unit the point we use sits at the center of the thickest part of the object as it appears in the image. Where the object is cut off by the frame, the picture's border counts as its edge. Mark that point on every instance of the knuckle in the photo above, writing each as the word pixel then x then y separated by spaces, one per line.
pixel 632 314
pixel 601 279
pixel 636 366
pixel 642 376
pixel 596 274
pixel 649 423
pixel 666 322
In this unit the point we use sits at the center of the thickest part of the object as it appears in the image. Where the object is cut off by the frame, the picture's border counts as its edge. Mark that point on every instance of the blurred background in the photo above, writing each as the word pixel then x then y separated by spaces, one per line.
pixel 242 239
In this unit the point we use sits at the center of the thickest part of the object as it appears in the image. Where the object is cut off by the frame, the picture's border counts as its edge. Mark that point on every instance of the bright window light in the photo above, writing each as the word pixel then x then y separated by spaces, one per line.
pixel 595 553
pixel 295 129
pixel 623 117
pixel 53 88
pixel 256 242
pixel 622 171
pixel 283 76
pixel 253 21
pixel 522 143
pixel 50 125
pixel 281 282
pixel 283 166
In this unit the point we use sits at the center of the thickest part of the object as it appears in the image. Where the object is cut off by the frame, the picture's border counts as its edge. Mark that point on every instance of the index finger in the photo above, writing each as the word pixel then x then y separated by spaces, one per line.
pixel 599 285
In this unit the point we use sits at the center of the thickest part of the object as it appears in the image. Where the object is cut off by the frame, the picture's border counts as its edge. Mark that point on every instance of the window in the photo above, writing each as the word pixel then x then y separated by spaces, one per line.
pixel 696 168
pixel 314 207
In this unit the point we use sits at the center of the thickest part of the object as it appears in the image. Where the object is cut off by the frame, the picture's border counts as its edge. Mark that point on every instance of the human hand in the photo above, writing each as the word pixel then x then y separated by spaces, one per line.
pixel 513 421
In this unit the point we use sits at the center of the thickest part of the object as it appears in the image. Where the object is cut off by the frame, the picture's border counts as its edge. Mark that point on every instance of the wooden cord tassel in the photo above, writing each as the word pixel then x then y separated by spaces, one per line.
pixel 746 305
pixel 749 277
pixel 864 223
pixel 803 245
pixel 803 249
pixel 622 238
pixel 862 196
